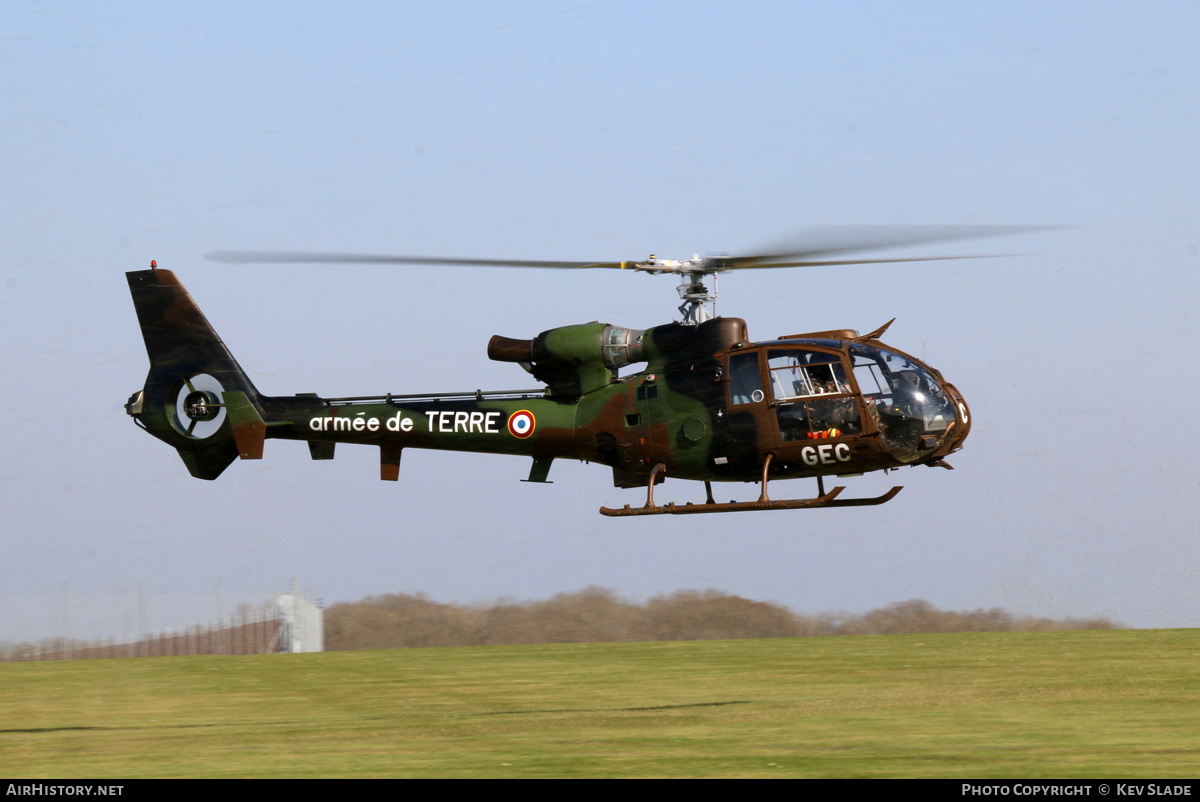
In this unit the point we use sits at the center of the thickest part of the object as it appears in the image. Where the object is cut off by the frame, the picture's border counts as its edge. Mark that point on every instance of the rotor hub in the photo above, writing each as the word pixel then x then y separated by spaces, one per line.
pixel 201 405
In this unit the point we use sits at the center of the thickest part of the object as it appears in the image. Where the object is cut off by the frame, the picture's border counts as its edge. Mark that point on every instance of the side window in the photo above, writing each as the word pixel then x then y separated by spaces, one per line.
pixel 745 383
pixel 800 374
pixel 813 398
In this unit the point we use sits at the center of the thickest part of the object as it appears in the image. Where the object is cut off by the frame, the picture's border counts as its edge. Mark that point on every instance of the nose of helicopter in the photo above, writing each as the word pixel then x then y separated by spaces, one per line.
pixel 921 417
pixel 962 426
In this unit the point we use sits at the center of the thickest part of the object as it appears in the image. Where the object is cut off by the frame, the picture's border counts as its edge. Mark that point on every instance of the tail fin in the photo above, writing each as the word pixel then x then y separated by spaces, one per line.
pixel 191 371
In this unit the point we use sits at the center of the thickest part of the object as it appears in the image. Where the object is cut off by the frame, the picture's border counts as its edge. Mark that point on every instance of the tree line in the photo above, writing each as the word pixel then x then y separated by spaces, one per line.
pixel 598 615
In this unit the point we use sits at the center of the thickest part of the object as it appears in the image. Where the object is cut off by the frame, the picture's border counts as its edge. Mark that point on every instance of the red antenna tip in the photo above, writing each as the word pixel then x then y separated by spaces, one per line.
pixel 153 265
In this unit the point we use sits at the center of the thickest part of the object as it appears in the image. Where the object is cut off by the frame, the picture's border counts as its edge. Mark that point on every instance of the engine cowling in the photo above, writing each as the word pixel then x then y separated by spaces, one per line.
pixel 573 360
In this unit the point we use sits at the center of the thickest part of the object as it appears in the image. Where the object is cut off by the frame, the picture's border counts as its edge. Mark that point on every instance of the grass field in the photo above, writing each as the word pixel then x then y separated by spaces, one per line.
pixel 1118 703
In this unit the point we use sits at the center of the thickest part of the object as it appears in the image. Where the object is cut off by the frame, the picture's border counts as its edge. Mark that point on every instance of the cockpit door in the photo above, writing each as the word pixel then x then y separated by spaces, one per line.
pixel 743 425
pixel 811 395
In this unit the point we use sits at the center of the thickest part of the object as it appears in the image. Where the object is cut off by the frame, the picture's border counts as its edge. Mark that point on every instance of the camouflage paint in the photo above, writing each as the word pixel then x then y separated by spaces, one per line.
pixel 677 412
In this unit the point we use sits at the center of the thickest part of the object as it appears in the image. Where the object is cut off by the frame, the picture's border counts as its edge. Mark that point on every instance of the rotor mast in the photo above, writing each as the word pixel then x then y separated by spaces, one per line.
pixel 699 302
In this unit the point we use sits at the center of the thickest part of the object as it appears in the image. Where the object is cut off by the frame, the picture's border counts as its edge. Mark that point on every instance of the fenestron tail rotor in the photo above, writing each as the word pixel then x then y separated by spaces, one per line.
pixel 199 406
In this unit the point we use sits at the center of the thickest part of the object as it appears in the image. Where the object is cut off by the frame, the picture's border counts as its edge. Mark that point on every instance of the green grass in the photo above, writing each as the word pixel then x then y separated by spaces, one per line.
pixel 1028 705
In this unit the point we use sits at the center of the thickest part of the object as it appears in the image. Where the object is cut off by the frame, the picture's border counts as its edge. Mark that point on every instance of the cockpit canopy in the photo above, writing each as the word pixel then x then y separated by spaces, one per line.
pixel 908 401
pixel 829 388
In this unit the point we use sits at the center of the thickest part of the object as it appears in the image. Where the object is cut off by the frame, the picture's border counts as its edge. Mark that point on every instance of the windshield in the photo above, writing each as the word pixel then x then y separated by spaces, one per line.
pixel 907 403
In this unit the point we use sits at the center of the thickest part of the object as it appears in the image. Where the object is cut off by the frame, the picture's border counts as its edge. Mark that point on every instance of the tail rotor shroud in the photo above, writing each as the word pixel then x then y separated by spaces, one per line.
pixel 199 406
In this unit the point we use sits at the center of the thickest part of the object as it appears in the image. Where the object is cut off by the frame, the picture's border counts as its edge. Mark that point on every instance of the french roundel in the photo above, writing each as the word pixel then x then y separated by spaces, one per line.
pixel 521 424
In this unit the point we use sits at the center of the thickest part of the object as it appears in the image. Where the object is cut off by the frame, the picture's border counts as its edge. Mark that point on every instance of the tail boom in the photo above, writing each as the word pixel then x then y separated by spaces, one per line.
pixel 198 399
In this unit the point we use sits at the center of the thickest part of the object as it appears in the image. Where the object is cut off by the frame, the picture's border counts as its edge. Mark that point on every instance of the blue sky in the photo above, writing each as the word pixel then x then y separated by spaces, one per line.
pixel 602 131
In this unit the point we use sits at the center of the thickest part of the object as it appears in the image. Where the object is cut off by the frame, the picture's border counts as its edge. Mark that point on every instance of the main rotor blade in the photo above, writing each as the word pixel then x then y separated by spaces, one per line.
pixel 844 262
pixel 806 249
pixel 287 257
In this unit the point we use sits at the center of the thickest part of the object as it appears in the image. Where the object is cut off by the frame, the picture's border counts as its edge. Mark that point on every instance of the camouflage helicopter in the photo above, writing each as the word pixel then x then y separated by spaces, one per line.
pixel 710 405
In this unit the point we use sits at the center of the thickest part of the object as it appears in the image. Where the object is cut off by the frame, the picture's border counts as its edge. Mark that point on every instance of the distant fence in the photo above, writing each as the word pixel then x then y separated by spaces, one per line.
pixel 291 622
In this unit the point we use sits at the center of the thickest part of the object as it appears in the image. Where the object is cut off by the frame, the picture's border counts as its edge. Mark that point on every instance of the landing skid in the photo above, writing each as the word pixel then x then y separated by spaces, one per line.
pixel 829 499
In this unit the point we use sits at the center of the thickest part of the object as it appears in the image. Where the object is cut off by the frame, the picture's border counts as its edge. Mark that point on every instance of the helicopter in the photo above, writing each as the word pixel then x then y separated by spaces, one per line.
pixel 710 405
